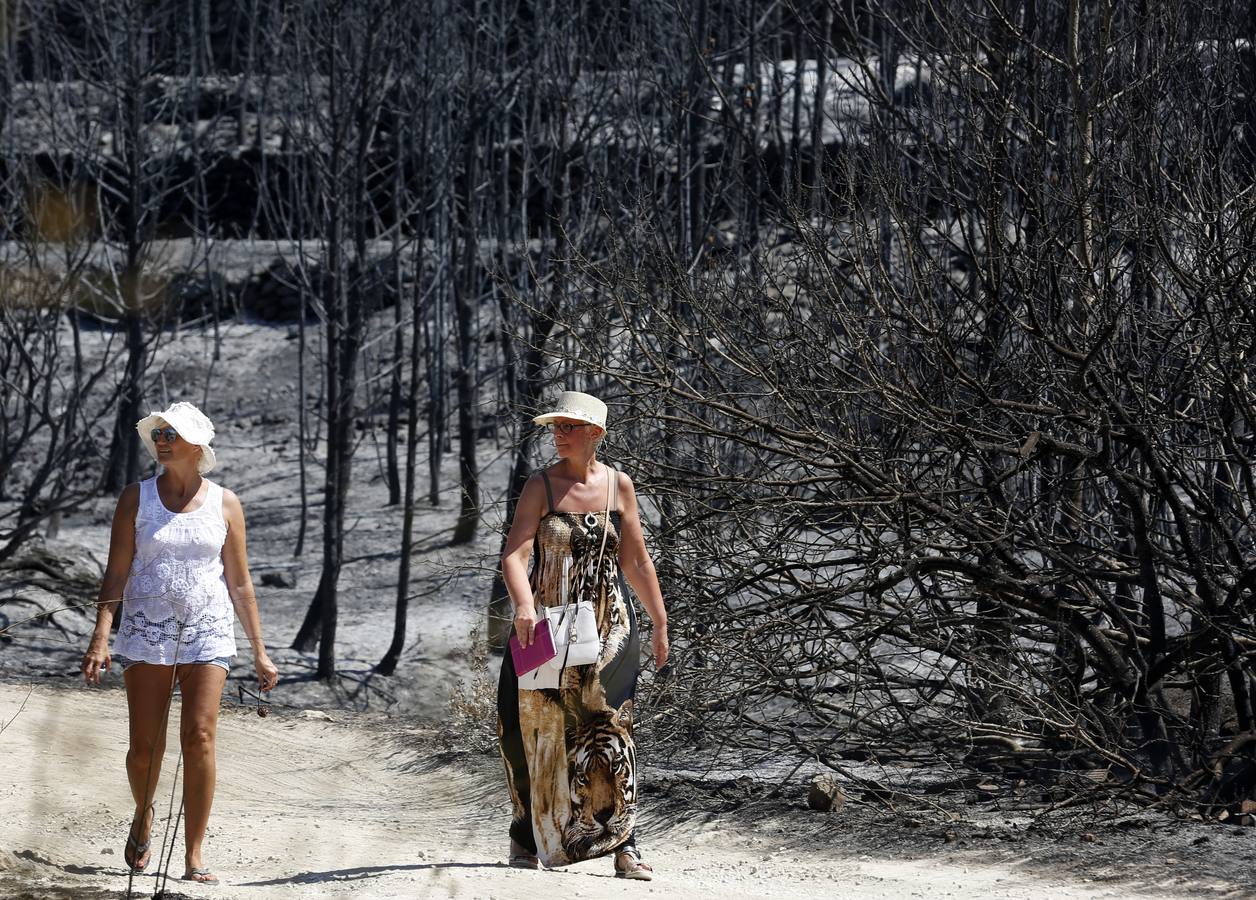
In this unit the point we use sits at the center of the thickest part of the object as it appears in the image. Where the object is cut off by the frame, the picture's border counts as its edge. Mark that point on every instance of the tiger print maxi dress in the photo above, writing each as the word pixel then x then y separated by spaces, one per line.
pixel 569 754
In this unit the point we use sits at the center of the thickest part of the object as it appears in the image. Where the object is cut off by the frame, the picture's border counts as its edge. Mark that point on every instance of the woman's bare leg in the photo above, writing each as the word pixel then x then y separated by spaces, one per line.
pixel 148 690
pixel 202 685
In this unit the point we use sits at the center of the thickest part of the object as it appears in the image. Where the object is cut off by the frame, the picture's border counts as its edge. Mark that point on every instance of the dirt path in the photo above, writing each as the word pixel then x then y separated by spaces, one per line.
pixel 312 808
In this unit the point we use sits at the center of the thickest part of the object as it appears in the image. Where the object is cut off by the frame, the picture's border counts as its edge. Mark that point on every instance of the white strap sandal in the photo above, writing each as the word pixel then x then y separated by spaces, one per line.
pixel 628 864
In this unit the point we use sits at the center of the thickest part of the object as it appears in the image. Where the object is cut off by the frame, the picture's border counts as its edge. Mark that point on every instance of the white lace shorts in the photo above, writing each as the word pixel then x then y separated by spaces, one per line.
pixel 222 661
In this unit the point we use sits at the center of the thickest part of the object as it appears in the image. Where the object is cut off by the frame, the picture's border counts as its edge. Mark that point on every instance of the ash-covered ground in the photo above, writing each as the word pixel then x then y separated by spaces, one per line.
pixel 390 787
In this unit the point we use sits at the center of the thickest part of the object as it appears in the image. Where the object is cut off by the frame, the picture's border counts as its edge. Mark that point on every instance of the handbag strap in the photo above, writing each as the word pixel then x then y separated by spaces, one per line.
pixel 606 527
pixel 606 523
pixel 611 478
pixel 549 492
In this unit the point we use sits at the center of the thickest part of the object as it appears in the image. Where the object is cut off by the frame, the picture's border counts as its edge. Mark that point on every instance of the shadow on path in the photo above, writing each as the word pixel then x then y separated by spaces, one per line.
pixel 139 888
pixel 35 857
pixel 361 872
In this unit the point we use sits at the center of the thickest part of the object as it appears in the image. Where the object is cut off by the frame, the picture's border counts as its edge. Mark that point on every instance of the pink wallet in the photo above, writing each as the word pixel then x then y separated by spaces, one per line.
pixel 539 652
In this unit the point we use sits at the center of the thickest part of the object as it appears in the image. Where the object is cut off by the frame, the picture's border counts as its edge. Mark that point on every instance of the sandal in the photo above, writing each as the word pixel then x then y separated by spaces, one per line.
pixel 631 866
pixel 200 876
pixel 521 859
pixel 134 849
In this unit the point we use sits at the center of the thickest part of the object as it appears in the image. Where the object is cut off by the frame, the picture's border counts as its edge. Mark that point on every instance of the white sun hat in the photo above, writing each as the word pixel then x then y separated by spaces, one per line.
pixel 193 426
pixel 575 405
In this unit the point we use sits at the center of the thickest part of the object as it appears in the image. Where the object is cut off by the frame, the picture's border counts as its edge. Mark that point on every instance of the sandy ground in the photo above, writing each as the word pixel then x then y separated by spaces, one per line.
pixel 314 808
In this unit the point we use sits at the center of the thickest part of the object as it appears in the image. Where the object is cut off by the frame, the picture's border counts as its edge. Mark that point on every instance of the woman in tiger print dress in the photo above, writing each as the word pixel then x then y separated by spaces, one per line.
pixel 569 753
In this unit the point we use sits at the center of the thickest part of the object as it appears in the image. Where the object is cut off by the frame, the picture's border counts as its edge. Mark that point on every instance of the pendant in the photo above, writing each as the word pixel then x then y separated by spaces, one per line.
pixel 590 521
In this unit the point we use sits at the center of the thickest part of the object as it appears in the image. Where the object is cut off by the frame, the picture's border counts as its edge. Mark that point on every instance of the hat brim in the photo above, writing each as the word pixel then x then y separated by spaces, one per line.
pixel 145 427
pixel 550 417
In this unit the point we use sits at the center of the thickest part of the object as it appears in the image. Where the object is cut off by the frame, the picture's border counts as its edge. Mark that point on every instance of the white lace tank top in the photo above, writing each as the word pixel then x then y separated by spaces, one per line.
pixel 176 608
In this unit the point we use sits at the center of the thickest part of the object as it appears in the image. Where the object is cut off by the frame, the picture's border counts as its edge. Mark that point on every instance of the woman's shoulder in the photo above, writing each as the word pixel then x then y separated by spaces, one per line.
pixel 139 488
pixel 544 479
pixel 536 480
pixel 539 486
pixel 130 496
pixel 623 481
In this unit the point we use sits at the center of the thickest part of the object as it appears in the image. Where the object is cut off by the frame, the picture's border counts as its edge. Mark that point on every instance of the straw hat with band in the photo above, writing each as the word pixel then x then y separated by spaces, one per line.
pixel 193 426
pixel 575 405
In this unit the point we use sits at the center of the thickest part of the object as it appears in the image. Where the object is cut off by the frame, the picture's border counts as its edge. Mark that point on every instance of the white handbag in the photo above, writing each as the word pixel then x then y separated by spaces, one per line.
pixel 574 629
pixel 573 626
pixel 576 643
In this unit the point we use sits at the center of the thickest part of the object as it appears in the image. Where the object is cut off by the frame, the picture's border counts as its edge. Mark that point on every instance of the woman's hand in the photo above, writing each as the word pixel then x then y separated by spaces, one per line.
pixel 96 660
pixel 662 648
pixel 267 674
pixel 525 625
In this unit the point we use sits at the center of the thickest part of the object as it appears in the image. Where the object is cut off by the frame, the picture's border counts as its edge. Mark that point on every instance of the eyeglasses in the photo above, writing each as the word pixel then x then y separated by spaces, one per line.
pixel 564 427
pixel 168 433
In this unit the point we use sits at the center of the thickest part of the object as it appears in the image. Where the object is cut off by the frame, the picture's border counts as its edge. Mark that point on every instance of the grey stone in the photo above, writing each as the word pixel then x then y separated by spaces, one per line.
pixel 825 795
pixel 279 578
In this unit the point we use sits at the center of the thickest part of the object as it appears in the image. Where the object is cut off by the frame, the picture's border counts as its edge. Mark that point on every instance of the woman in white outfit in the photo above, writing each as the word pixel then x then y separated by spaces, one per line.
pixel 177 566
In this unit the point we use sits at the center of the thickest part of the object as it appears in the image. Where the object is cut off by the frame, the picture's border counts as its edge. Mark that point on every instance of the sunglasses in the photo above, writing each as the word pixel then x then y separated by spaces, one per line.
pixel 564 427
pixel 168 433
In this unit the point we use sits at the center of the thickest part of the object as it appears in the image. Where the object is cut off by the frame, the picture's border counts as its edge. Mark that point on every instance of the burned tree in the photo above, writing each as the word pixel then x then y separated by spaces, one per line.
pixel 965 463
pixel 347 63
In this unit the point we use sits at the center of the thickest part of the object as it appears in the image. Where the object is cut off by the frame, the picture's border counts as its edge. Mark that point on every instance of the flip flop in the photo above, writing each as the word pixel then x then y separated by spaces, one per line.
pixel 134 849
pixel 198 875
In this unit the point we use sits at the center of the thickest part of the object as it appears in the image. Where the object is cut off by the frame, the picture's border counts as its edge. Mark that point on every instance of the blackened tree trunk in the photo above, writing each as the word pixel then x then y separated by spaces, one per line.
pixel 388 664
pixel 393 471
pixel 466 300
pixel 358 61
pixel 435 334
pixel 417 358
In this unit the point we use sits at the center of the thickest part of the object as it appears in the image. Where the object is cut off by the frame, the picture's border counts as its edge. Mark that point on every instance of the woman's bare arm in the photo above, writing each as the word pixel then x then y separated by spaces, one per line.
pixel 117 570
pixel 528 512
pixel 638 567
pixel 235 564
